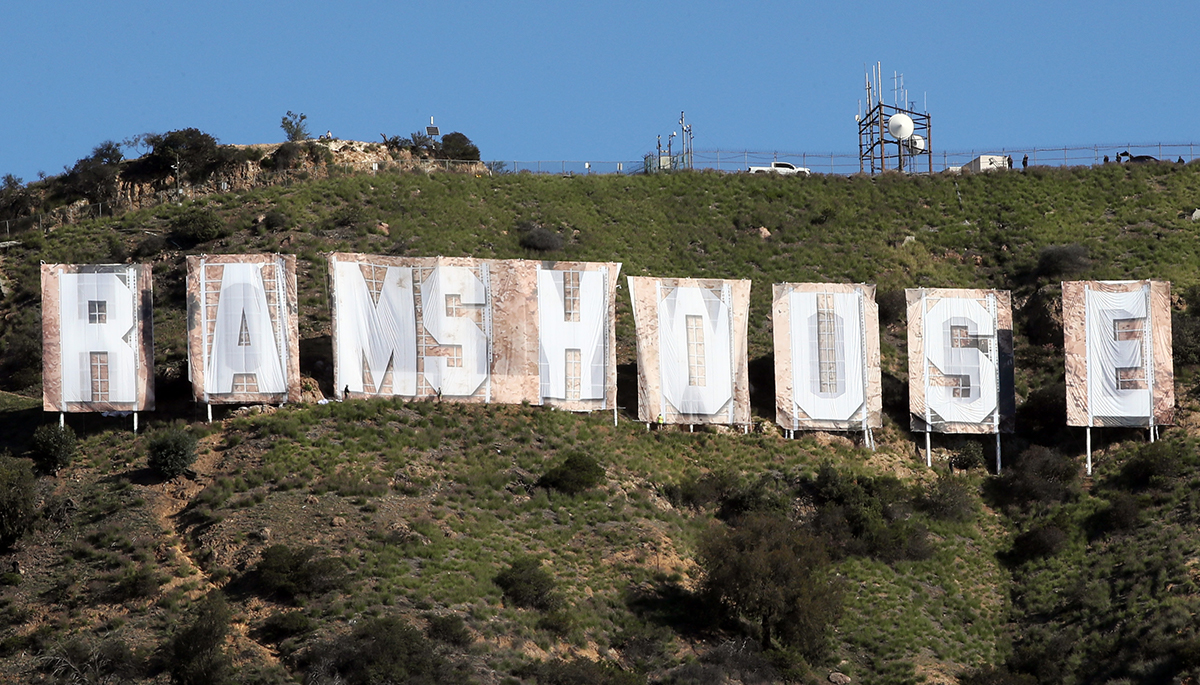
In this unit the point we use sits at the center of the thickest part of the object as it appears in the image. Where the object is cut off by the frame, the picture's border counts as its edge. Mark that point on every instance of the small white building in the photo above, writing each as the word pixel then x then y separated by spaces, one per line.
pixel 986 163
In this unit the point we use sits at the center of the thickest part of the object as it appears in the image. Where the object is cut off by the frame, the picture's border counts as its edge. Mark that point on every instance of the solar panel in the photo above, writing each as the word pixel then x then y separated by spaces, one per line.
pixel 432 131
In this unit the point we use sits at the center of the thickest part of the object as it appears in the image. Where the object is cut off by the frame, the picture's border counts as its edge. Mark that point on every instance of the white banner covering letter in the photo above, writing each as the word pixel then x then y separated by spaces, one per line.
pixel 828 358
pixel 695 350
pixel 243 342
pixel 443 294
pixel 99 360
pixel 1117 360
pixel 960 341
pixel 376 327
pixel 572 312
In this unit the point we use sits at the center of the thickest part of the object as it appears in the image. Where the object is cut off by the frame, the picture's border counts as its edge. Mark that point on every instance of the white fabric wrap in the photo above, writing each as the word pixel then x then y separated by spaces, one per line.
pixel 972 362
pixel 556 335
pixel 846 401
pixel 445 281
pixel 673 310
pixel 1106 354
pixel 383 333
pixel 243 298
pixel 80 338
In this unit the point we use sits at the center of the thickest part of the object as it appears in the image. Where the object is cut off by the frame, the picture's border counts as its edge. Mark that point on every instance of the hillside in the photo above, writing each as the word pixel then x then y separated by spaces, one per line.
pixel 401 514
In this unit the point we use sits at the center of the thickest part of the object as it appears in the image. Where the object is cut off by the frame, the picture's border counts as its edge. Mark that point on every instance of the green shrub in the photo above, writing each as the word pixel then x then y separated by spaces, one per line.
pixel 53 447
pixel 450 629
pixel 526 584
pixel 1155 464
pixel 1185 337
pixel 136 583
pixel 968 456
pixel 1038 542
pixel 89 660
pixel 1122 514
pixel 17 490
pixel 150 246
pixel 171 451
pixel 196 654
pixel 540 239
pixel 1040 474
pixel 775 574
pixel 198 224
pixel 381 650
pixel 459 147
pixel 276 221
pixel 949 499
pixel 292 573
pixel 578 473
pixel 284 624
pixel 702 491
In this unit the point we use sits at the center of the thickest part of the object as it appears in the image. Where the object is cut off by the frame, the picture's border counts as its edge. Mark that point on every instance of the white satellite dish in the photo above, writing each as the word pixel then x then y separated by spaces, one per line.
pixel 915 144
pixel 900 126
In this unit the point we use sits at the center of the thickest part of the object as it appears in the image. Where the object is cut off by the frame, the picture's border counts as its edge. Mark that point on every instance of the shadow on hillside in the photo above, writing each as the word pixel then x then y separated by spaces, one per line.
pixel 666 603
pixel 16 430
pixel 627 389
pixel 762 387
pixel 316 361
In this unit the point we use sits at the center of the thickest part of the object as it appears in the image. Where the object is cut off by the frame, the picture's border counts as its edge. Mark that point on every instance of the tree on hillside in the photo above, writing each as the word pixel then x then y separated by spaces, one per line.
pixel 769 570
pixel 294 127
pixel 458 146
pixel 94 178
pixel 188 153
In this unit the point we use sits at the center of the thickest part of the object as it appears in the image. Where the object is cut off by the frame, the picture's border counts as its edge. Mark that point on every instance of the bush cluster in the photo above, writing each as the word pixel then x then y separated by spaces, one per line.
pixel 53 447
pixel 540 239
pixel 196 654
pixel 171 451
pixel 526 584
pixel 867 516
pixel 381 650
pixel 1039 474
pixel 197 224
pixel 578 473
pixel 290 573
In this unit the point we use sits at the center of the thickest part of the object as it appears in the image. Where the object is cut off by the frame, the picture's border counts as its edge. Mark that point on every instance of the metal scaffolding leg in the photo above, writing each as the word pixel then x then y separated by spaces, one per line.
pixel 1089 450
pixel 928 451
pixel 997 454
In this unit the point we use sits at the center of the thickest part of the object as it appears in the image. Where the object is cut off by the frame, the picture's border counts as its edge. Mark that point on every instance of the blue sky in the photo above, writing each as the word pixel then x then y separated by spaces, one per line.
pixel 592 81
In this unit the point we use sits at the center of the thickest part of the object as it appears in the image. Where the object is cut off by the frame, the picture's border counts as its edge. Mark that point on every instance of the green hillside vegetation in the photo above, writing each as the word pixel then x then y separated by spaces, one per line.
pixel 389 541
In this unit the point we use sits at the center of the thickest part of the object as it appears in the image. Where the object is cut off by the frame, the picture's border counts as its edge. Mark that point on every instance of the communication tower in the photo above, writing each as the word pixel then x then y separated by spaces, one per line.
pixel 894 136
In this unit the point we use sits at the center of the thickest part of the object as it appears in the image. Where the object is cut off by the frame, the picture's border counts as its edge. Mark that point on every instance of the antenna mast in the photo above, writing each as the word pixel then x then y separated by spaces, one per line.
pixel 884 144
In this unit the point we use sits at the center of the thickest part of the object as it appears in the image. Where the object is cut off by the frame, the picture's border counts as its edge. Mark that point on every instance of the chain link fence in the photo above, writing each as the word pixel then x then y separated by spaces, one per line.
pixel 725 161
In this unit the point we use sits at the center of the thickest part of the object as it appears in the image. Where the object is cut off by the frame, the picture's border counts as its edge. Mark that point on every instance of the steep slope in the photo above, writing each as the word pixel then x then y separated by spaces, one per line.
pixel 422 505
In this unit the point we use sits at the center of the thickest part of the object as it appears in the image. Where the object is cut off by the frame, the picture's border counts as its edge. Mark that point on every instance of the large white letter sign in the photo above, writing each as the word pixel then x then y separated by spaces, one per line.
pixel 572 317
pixel 242 328
pixel 959 360
pixel 827 374
pixel 374 327
pixel 1117 339
pixel 691 338
pixel 449 295
pixel 96 346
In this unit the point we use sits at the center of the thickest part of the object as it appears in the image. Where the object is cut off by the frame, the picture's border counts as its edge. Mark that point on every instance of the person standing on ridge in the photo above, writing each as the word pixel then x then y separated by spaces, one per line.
pixel 1025 162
